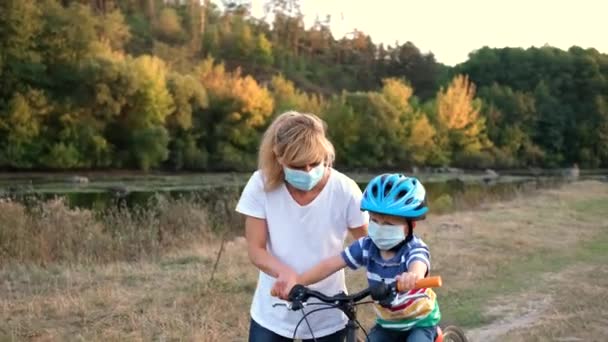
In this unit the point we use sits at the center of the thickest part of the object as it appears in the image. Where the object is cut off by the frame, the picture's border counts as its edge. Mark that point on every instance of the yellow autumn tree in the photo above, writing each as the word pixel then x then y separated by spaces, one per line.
pixel 397 93
pixel 458 119
pixel 288 97
pixel 420 142
pixel 239 109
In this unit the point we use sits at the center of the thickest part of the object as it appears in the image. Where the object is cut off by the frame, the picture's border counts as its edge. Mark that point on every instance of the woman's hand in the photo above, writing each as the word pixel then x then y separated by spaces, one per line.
pixel 407 281
pixel 286 280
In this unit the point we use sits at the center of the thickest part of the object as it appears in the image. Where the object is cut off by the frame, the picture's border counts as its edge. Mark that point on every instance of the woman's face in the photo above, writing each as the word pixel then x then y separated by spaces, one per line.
pixel 304 176
pixel 303 167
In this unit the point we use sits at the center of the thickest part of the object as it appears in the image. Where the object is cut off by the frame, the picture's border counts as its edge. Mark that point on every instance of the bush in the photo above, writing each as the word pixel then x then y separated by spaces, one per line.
pixel 473 160
pixel 52 232
pixel 442 204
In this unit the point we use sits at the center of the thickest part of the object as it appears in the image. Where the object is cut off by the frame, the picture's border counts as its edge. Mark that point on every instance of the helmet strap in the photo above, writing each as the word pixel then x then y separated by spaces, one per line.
pixel 410 230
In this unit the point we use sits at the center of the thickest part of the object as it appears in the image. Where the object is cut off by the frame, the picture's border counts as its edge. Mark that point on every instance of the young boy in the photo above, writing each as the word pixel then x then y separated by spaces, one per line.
pixel 390 253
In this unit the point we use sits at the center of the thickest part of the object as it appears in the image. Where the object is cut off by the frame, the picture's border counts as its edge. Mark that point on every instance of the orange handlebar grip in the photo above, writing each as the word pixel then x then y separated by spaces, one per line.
pixel 429 282
pixel 424 283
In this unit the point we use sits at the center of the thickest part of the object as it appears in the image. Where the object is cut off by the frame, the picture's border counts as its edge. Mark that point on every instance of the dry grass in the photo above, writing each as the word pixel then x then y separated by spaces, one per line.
pixel 485 256
pixel 170 299
pixel 579 299
pixel 52 232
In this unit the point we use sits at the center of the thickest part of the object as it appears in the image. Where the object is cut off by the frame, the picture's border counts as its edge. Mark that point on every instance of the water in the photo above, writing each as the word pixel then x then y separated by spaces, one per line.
pixel 102 191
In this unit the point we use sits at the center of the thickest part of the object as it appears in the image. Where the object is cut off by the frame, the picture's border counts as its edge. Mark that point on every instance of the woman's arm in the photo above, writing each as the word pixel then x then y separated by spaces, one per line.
pixel 256 232
pixel 358 232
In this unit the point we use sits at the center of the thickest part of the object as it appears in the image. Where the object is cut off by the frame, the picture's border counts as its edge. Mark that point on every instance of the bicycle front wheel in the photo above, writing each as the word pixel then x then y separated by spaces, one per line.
pixel 453 334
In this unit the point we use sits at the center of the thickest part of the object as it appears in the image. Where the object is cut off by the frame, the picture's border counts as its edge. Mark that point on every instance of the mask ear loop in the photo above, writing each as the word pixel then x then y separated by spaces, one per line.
pixel 410 235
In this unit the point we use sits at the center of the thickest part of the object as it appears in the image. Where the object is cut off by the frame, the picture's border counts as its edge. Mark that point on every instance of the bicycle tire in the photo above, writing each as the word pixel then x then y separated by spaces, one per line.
pixel 453 333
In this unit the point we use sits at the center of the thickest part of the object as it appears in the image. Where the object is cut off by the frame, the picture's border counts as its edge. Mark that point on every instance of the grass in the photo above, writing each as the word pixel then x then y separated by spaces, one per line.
pixel 532 249
pixel 51 232
pixel 546 234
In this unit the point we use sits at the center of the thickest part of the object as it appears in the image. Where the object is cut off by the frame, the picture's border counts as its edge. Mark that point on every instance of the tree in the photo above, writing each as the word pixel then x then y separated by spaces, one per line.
pixel 169 26
pixel 397 93
pixel 263 51
pixel 421 143
pixel 550 127
pixel 21 128
pixel 238 110
pixel 287 97
pixel 458 116
pixel 113 31
pixel 20 61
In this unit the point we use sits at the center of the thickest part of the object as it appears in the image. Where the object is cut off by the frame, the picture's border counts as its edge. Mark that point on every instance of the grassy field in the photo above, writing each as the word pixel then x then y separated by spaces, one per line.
pixel 534 268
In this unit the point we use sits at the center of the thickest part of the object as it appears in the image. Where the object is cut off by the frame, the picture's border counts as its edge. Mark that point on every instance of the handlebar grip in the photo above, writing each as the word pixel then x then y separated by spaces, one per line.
pixel 424 283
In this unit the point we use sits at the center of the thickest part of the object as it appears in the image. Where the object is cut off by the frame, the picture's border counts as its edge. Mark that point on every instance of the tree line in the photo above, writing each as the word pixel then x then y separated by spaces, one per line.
pixel 183 85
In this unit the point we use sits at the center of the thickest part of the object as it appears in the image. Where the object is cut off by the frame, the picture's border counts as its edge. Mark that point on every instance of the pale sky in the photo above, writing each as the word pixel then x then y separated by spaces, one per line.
pixel 453 28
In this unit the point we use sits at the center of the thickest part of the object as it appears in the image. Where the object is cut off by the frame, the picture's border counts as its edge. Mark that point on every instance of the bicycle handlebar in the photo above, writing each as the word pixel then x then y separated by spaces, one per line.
pixel 300 293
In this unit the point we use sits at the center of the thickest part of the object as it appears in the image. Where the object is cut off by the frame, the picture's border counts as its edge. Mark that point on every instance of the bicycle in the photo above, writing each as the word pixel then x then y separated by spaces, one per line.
pixel 384 294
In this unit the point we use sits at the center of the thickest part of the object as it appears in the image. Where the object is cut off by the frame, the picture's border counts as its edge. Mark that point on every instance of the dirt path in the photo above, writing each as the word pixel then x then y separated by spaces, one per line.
pixel 512 313
pixel 564 312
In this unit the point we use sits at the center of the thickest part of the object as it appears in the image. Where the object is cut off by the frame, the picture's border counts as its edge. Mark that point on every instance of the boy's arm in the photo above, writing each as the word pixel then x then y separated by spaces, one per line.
pixel 317 273
pixel 352 257
pixel 418 268
pixel 418 265
pixel 322 270
pixel 416 271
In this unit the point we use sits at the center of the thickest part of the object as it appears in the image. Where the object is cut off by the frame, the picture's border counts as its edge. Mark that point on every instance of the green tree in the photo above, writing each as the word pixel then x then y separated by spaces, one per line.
pixel 22 129
pixel 20 61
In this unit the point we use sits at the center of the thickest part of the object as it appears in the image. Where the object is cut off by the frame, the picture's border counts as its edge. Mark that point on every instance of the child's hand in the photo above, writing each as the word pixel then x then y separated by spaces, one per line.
pixel 407 280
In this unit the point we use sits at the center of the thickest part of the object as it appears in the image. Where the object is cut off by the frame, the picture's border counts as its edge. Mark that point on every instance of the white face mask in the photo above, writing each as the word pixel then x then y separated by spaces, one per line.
pixel 386 236
pixel 304 180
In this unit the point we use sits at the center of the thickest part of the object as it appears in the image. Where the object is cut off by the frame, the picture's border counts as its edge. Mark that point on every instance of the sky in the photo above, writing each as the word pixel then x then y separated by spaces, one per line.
pixel 451 29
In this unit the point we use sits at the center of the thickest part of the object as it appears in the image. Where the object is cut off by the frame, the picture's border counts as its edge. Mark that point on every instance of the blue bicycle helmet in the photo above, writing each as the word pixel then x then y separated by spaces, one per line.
pixel 397 195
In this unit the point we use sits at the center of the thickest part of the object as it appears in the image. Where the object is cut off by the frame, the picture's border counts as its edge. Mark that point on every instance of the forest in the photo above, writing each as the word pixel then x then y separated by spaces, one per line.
pixel 189 85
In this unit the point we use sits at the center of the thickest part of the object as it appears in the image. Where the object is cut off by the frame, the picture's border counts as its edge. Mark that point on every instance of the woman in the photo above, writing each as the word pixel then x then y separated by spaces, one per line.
pixel 297 210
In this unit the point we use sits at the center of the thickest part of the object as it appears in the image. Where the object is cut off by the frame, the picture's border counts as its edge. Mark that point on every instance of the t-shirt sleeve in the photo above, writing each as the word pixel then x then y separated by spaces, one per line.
pixel 253 197
pixel 353 254
pixel 419 252
pixel 354 216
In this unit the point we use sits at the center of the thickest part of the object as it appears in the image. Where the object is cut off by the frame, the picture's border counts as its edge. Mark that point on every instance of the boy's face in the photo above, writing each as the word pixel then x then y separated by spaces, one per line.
pixel 382 219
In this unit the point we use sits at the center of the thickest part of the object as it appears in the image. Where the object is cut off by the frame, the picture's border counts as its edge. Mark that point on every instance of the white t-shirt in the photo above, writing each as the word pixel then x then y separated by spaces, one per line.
pixel 301 237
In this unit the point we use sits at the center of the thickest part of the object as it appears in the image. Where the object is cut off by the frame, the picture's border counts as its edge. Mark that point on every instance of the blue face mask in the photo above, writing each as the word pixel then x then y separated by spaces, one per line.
pixel 385 236
pixel 303 180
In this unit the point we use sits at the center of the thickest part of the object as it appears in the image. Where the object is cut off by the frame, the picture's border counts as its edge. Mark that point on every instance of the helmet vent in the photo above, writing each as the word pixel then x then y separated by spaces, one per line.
pixel 388 188
pixel 409 201
pixel 402 194
pixel 374 190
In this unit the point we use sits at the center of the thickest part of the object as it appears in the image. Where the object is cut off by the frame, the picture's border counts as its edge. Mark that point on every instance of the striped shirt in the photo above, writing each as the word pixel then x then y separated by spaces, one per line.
pixel 422 312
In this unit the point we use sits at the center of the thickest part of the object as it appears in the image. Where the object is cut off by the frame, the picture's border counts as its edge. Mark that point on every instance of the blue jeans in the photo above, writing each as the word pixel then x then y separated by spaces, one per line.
pixel 258 333
pixel 380 334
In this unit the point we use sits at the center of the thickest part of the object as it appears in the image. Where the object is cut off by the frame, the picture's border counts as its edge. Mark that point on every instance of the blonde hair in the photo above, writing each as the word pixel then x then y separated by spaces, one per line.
pixel 295 139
